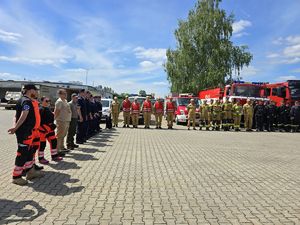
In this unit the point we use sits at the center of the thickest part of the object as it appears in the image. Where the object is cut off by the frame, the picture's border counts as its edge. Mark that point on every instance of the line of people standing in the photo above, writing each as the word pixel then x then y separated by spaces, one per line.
pixel 35 124
pixel 257 115
pixel 132 110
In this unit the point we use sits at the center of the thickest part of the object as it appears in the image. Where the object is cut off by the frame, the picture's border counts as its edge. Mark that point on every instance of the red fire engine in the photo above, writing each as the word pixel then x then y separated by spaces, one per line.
pixel 238 90
pixel 288 91
pixel 181 101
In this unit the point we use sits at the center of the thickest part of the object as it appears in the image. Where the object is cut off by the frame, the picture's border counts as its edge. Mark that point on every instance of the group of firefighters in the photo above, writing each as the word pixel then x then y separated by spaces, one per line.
pixel 227 115
pixel 133 110
pixel 35 123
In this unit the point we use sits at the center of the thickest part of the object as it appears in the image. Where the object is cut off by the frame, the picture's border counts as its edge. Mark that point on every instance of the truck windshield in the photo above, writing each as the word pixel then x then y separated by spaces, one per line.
pixel 295 89
pixel 186 101
pixel 247 91
pixel 105 103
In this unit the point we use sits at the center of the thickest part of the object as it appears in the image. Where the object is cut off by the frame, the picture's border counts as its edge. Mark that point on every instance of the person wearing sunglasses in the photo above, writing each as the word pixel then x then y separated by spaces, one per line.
pixel 47 132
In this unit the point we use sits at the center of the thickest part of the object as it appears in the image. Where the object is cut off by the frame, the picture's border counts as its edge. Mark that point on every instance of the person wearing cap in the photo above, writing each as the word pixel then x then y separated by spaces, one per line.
pixel 126 111
pixel 191 108
pixel 248 112
pixel 170 111
pixel 135 112
pixel 82 118
pixel 27 118
pixel 73 123
pixel 158 110
pixel 47 132
pixel 62 116
pixel 147 111
pixel 115 111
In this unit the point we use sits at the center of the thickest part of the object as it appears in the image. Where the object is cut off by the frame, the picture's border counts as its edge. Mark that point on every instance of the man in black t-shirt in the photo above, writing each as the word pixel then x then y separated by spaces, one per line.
pixel 25 121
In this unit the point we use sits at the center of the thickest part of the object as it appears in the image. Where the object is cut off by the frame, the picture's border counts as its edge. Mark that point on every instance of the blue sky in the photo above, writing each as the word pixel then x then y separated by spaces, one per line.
pixel 122 44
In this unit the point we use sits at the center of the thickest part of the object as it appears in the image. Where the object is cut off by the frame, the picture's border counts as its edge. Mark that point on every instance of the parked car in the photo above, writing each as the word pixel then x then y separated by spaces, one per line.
pixel 106 103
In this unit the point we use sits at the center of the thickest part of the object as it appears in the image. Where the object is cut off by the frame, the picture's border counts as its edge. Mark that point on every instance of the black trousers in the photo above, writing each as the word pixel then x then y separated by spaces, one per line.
pixel 259 120
pixel 72 131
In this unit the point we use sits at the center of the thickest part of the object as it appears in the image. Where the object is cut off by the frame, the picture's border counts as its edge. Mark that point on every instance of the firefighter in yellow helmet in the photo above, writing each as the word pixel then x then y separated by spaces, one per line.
pixel 115 110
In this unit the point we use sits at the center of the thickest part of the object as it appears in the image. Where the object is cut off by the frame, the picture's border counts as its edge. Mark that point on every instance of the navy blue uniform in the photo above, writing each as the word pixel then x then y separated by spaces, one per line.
pixel 81 128
pixel 259 112
pixel 24 135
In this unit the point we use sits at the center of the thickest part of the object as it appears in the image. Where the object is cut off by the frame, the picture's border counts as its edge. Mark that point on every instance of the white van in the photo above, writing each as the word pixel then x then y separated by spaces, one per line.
pixel 106 103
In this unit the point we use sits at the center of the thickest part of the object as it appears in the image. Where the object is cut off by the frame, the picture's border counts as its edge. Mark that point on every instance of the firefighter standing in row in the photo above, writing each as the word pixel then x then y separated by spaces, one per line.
pixel 47 132
pixel 170 111
pixel 259 113
pixel 206 114
pixel 158 110
pixel 82 115
pixel 282 116
pixel 227 115
pixel 73 124
pixel 126 105
pixel 295 117
pixel 237 110
pixel 26 119
pixel 147 110
pixel 115 111
pixel 135 112
pixel 271 114
pixel 248 112
pixel 191 108
pixel 216 114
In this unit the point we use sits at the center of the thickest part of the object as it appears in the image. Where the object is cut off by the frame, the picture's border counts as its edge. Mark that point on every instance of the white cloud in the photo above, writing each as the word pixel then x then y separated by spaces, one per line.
pixel 154 54
pixel 273 55
pixel 292 51
pixel 249 71
pixel 289 52
pixel 160 83
pixel 239 27
pixel 288 77
pixel 9 37
pixel 9 76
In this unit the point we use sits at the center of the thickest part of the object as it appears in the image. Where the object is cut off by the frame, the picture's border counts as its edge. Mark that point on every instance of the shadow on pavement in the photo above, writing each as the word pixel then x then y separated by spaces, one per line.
pixel 90 150
pixel 64 165
pixel 19 211
pixel 54 183
pixel 80 157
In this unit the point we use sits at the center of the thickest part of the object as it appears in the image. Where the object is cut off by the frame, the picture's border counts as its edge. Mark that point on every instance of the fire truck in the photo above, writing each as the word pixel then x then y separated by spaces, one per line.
pixel 238 90
pixel 288 91
pixel 181 101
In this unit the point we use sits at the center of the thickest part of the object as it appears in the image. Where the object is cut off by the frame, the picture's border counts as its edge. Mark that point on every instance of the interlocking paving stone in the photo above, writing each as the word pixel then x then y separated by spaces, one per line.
pixel 138 176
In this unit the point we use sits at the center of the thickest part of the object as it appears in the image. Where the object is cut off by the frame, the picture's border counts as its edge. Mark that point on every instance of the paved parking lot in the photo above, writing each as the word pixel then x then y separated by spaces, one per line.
pixel 128 176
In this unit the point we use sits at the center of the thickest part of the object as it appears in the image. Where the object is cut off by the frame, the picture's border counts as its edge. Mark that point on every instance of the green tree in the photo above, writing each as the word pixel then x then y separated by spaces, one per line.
pixel 205 57
pixel 142 93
